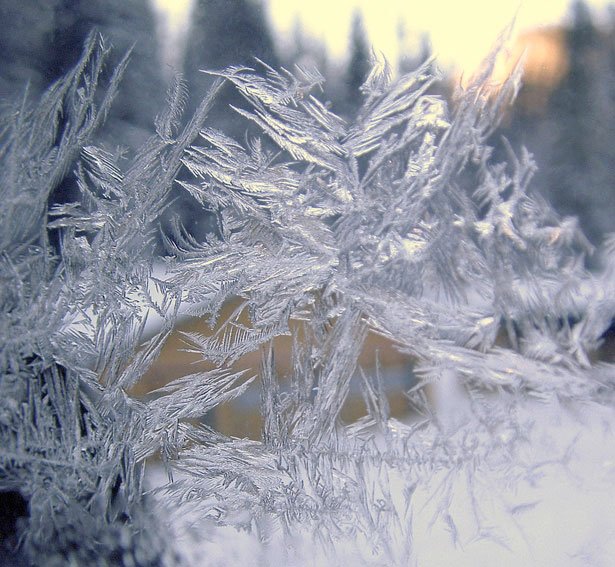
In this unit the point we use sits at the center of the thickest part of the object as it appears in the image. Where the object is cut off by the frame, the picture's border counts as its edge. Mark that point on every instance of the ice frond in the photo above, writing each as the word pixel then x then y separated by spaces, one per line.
pixel 398 223
pixel 73 317
pixel 168 122
pixel 386 109
pixel 283 109
pixel 403 223
pixel 191 397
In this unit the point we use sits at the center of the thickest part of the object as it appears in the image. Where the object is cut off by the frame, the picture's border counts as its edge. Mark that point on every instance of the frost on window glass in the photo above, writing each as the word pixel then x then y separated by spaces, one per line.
pixel 398 223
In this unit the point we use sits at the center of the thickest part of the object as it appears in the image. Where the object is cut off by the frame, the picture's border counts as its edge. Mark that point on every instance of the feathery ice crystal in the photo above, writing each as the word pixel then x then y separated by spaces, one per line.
pixel 400 223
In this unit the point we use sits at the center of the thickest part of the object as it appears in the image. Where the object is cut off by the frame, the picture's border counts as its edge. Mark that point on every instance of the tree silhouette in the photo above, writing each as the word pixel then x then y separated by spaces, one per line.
pixel 578 174
pixel 359 63
pixel 41 40
pixel 127 26
pixel 223 33
pixel 26 28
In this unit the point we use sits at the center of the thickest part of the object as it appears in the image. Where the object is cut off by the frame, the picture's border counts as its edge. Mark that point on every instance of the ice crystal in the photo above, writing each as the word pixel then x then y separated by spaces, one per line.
pixel 399 223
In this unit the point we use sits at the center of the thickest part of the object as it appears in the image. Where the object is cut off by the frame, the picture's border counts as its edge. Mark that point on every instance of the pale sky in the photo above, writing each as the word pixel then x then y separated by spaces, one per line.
pixel 461 31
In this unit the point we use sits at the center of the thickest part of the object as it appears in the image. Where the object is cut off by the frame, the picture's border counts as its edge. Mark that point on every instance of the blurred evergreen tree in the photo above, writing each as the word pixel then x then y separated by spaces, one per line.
pixel 26 28
pixel 578 173
pixel 571 109
pixel 572 137
pixel 126 25
pixel 359 63
pixel 224 33
pixel 41 39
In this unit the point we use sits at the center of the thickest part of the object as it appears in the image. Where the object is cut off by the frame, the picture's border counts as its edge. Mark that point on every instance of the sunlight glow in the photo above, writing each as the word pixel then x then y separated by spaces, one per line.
pixel 461 33
pixel 172 17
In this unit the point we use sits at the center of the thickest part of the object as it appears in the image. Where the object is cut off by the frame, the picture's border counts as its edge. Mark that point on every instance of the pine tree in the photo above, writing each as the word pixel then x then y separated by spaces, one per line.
pixel 579 169
pixel 127 26
pixel 26 29
pixel 40 41
pixel 359 61
pixel 224 33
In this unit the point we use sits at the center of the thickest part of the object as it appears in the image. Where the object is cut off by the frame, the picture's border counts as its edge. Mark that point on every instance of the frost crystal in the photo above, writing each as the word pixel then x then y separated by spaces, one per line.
pixel 398 223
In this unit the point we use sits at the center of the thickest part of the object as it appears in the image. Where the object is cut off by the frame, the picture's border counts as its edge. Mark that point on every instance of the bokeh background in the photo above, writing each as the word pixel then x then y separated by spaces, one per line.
pixel 564 114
